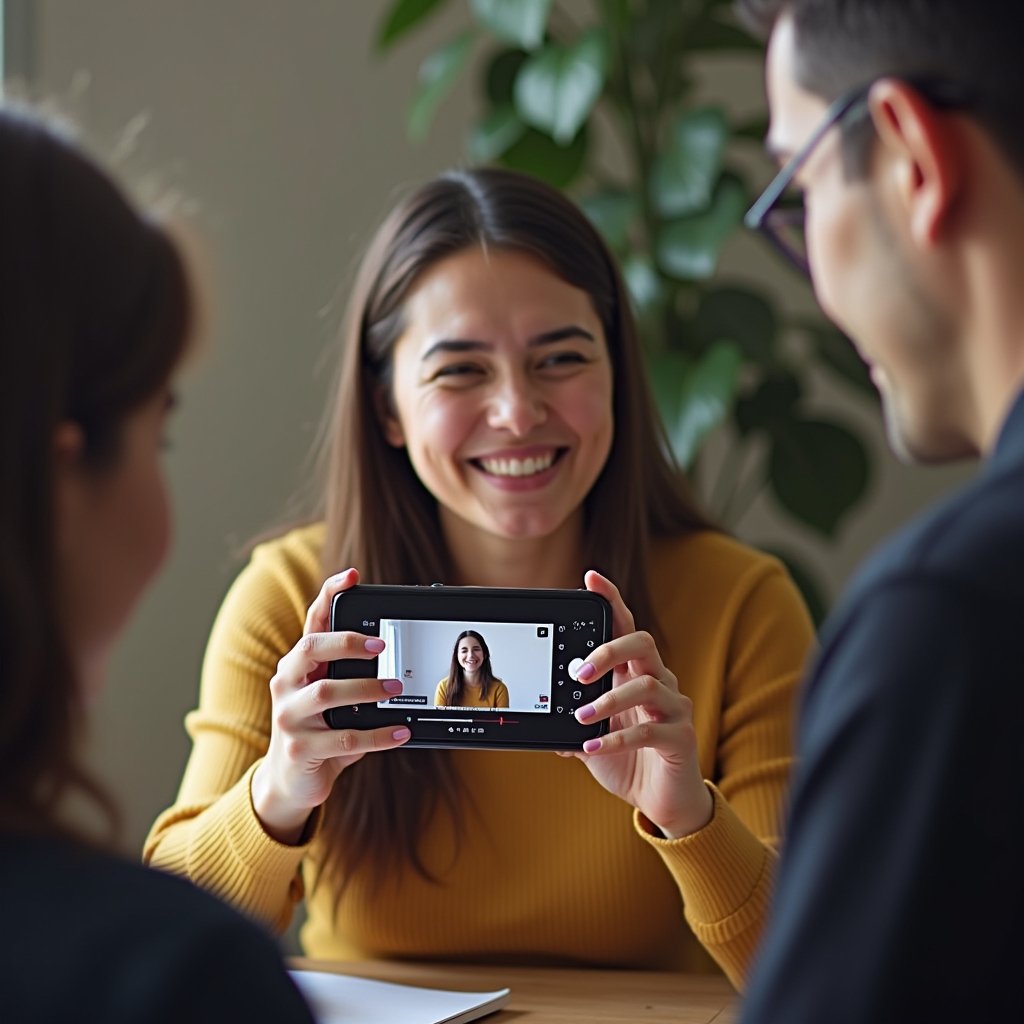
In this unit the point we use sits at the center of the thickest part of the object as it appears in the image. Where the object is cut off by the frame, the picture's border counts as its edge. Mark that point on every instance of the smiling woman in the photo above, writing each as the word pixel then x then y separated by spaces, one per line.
pixel 502 384
pixel 492 425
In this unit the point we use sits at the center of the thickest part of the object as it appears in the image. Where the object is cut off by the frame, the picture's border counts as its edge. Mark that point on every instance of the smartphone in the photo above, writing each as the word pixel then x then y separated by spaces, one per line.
pixel 532 642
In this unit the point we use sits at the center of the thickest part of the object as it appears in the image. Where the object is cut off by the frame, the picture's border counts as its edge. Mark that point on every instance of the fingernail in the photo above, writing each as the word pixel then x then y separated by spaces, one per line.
pixel 339 576
pixel 374 644
pixel 585 671
pixel 592 746
pixel 585 713
pixel 401 734
pixel 391 685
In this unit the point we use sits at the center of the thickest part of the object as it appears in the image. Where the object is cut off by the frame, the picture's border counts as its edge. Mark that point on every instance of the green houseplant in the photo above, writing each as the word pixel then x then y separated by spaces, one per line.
pixel 557 81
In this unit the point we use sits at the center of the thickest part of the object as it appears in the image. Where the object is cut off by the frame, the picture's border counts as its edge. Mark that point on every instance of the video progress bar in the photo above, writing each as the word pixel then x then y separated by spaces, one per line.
pixel 500 720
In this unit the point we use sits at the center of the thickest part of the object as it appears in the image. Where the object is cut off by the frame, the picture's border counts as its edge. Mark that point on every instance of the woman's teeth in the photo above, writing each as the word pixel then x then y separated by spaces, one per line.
pixel 518 467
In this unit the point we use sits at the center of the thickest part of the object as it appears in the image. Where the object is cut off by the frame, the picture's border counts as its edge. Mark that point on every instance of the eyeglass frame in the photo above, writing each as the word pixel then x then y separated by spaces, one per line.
pixel 765 214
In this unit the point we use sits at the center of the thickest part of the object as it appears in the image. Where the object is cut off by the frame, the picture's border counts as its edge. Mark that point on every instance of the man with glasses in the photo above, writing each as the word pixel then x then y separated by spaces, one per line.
pixel 900 895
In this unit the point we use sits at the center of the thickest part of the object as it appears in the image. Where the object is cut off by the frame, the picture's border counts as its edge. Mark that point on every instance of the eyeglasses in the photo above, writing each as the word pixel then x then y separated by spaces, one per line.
pixel 779 213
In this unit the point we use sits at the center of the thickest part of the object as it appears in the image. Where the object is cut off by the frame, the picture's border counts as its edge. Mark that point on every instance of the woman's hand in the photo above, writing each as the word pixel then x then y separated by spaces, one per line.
pixel 649 755
pixel 306 755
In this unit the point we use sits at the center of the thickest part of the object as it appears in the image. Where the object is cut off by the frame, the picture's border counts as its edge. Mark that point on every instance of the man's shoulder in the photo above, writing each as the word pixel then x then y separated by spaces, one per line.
pixel 937 606
pixel 973 540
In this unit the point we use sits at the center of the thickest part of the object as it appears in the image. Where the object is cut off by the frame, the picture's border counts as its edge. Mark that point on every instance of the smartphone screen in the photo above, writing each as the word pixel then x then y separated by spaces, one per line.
pixel 483 667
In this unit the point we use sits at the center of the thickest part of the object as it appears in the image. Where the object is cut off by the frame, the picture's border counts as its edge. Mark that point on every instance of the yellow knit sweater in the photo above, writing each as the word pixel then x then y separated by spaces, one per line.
pixel 557 870
pixel 496 698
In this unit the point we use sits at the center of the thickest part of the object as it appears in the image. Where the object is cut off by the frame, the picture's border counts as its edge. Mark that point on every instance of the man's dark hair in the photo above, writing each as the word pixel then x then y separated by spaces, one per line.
pixel 972 45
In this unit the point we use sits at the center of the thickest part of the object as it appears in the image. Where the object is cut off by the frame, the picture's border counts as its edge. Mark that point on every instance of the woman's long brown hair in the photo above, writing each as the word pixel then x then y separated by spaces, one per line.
pixel 380 518
pixel 95 316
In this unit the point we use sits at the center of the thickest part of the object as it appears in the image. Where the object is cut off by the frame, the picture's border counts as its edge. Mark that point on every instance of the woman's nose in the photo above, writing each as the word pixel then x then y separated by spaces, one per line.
pixel 516 406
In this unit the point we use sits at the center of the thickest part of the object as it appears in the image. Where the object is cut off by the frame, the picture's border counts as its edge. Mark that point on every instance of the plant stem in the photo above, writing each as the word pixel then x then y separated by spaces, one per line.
pixel 633 121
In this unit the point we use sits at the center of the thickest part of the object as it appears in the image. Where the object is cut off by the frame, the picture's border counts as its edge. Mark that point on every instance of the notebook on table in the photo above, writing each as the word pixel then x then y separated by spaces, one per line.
pixel 344 999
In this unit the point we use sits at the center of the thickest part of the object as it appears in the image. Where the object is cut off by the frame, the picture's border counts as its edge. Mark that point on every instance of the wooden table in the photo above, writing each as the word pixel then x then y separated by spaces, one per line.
pixel 569 996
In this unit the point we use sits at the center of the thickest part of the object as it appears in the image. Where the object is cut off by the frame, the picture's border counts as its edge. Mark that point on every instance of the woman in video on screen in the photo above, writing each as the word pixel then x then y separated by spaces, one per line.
pixel 493 425
pixel 97 315
pixel 471 683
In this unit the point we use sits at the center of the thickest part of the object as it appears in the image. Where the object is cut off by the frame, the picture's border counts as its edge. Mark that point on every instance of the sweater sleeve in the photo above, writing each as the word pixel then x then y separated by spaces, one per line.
pixel 211 834
pixel 744 708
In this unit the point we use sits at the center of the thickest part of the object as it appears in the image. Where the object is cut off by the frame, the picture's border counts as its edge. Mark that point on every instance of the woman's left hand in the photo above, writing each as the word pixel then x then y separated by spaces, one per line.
pixel 649 755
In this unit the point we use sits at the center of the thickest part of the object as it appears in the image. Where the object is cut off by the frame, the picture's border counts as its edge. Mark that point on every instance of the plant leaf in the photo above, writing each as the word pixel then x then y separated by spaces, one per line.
pixel 753 129
pixel 520 22
pixel 836 352
pixel 651 34
pixel 666 370
pixel 500 76
pixel 437 76
pixel 818 471
pixel 402 17
pixel 772 402
pixel 741 315
pixel 617 15
pixel 494 134
pixel 688 248
pixel 684 176
pixel 708 392
pixel 612 212
pixel 538 154
pixel 646 289
pixel 557 87
pixel 710 34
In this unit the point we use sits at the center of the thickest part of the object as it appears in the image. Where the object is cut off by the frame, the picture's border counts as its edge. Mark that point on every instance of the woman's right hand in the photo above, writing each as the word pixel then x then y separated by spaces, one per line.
pixel 306 755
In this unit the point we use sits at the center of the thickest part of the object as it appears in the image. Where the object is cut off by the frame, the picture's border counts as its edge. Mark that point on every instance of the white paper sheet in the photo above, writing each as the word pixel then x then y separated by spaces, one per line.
pixel 343 999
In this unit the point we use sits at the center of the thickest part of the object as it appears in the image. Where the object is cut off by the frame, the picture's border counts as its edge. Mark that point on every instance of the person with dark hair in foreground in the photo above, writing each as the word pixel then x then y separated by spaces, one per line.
pixel 97 314
pixel 901 894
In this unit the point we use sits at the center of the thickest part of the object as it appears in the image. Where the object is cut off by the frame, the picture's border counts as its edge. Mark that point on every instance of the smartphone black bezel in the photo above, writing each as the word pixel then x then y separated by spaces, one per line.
pixel 490 730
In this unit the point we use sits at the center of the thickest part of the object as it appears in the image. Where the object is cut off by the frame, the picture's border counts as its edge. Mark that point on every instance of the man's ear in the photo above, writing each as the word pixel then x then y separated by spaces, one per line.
pixel 389 422
pixel 923 148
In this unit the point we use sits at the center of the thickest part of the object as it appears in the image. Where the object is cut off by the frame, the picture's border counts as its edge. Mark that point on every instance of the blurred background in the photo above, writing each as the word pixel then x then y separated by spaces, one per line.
pixel 279 132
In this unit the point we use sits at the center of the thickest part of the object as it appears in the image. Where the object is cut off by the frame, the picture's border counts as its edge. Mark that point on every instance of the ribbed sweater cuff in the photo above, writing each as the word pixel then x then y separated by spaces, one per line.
pixel 255 845
pixel 256 862
pixel 721 869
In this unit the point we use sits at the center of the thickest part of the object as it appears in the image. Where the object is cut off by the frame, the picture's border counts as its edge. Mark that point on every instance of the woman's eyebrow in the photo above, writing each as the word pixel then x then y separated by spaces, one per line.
pixel 455 345
pixel 561 333
pixel 475 345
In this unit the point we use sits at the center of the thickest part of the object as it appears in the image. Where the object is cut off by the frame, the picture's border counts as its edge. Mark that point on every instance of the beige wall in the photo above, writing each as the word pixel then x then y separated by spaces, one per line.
pixel 287 135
